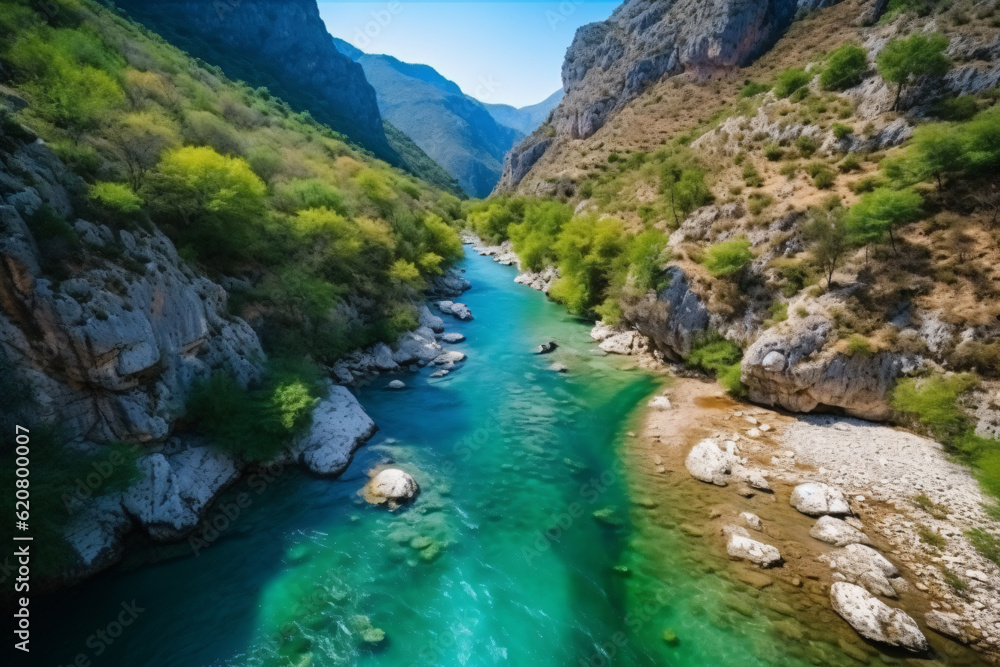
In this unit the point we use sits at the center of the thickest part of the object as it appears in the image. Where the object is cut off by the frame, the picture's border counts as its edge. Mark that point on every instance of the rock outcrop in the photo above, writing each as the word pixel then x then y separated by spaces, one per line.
pixel 795 367
pixel 112 351
pixel 672 320
pixel 610 62
pixel 875 620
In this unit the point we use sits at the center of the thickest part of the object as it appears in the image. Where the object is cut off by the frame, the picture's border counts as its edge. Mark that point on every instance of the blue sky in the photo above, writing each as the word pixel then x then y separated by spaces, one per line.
pixel 503 52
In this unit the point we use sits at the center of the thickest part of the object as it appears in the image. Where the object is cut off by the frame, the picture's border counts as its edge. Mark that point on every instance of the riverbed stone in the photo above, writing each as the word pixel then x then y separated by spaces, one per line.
pixel 816 498
pixel 741 546
pixel 837 532
pixel 708 463
pixel 874 620
pixel 659 403
pixel 452 337
pixel 751 520
pixel 396 384
pixel 862 565
pixel 457 310
pixel 392 487
pixel 546 347
pixel 558 368
pixel 948 624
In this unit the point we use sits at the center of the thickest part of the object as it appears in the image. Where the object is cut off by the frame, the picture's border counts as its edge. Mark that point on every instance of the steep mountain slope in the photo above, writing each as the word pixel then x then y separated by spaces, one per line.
pixel 611 62
pixel 457 131
pixel 525 119
pixel 281 45
pixel 184 259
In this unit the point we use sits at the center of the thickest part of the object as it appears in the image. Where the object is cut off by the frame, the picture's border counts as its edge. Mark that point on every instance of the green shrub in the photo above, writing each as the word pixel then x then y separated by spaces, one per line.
pixel 844 68
pixel 961 108
pixel 806 145
pixel 823 177
pixel 751 176
pixel 841 131
pixel 790 81
pixel 987 544
pixel 773 152
pixel 881 211
pixel 849 163
pixel 933 402
pixel 728 257
pixel 716 355
pixel 116 198
pixel 254 423
pixel 758 201
pixel 751 88
pixel 779 312
pixel 859 346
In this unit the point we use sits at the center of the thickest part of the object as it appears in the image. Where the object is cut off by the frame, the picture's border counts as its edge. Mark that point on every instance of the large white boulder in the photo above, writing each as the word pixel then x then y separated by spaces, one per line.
pixel 875 620
pixel 837 532
pixel 708 463
pixel 340 425
pixel 169 498
pixel 866 567
pixel 816 498
pixel 449 358
pixel 391 486
pixel 417 347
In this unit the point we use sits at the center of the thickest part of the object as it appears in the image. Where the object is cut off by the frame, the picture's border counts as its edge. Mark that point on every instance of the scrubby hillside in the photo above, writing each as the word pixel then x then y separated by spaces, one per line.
pixel 818 227
pixel 179 251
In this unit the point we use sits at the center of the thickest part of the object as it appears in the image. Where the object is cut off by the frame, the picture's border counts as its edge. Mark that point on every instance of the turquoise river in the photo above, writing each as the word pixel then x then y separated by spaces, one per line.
pixel 500 561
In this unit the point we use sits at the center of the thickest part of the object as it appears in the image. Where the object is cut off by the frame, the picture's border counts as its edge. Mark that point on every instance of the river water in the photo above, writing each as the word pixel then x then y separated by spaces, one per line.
pixel 524 547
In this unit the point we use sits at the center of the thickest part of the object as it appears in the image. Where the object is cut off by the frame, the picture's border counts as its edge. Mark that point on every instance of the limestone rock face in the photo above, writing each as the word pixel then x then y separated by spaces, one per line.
pixel 392 487
pixel 792 367
pixel 541 281
pixel 113 351
pixel 340 425
pixel 450 283
pixel 836 532
pixel 174 490
pixel 816 498
pixel 674 319
pixel 875 620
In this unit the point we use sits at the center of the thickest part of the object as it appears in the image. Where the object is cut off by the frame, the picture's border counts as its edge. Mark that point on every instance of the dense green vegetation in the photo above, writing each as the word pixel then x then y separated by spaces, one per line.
pixel 335 245
pixel 906 61
pixel 844 68
pixel 599 262
pixel 721 358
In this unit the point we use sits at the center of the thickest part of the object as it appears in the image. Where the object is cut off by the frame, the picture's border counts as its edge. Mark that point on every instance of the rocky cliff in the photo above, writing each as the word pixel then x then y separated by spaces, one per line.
pixel 282 45
pixel 609 63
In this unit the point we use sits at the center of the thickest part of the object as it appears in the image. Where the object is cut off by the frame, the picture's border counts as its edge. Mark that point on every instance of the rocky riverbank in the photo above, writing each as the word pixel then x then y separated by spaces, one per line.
pixel 895 514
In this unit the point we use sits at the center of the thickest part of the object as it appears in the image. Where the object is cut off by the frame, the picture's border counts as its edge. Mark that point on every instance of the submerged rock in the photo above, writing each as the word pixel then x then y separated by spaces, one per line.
pixel 816 498
pixel 837 532
pixel 391 486
pixel 546 347
pixel 740 545
pixel 396 384
pixel 448 358
pixel 875 620
pixel 558 368
pixel 452 337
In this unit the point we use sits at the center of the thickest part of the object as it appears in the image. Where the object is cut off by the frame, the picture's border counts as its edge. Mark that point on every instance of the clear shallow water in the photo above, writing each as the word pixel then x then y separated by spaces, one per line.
pixel 500 561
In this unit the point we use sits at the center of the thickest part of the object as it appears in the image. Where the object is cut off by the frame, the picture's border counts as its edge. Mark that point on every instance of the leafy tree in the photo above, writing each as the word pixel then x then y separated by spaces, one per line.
pixel 939 150
pixel 982 140
pixel 906 61
pixel 728 257
pixel 684 187
pixel 139 139
pixel 844 68
pixel 827 229
pixel 881 211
